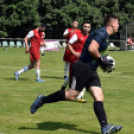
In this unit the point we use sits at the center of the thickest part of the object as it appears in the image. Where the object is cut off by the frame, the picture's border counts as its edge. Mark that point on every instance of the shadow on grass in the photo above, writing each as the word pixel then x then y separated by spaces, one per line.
pixel 52 77
pixel 20 79
pixel 52 126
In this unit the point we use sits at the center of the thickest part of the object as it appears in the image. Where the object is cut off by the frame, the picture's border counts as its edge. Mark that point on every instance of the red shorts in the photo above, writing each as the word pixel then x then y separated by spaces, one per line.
pixel 34 55
pixel 66 56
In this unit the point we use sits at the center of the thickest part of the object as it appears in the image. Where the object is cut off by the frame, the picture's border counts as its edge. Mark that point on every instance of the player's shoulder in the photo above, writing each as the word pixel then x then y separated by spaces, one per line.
pixel 78 31
pixel 101 32
pixel 81 35
pixel 69 29
pixel 34 30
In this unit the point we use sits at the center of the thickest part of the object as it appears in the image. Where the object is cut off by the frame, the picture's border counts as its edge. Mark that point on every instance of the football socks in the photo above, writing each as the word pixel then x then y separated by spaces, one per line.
pixel 57 96
pixel 100 113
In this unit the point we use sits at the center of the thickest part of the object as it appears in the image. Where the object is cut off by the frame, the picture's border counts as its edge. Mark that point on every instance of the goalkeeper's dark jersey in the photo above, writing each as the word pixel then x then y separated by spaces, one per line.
pixel 101 36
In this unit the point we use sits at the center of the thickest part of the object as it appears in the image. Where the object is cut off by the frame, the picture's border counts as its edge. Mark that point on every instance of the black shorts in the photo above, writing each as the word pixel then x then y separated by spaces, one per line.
pixel 83 76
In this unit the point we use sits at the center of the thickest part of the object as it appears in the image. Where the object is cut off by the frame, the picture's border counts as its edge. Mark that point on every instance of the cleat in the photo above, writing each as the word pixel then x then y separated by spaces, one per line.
pixel 109 129
pixel 63 88
pixel 37 104
pixel 65 77
pixel 40 80
pixel 43 54
pixel 81 100
pixel 16 74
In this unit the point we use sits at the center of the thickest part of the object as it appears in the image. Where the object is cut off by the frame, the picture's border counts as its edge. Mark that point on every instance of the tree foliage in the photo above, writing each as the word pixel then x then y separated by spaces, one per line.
pixel 18 17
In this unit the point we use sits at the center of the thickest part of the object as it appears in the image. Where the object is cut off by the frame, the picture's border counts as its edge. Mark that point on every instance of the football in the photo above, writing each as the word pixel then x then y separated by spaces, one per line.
pixel 109 66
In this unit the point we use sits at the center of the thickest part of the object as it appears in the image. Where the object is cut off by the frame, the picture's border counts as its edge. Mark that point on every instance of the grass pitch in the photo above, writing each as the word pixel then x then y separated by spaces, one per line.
pixel 16 97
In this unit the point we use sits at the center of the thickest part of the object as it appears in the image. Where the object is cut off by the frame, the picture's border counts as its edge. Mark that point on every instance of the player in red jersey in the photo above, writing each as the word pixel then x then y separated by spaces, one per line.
pixel 35 37
pixel 75 46
pixel 69 32
pixel 129 41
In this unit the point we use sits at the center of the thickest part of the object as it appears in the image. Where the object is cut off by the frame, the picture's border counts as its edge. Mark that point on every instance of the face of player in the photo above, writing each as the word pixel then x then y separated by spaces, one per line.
pixel 115 26
pixel 41 29
pixel 86 28
pixel 75 24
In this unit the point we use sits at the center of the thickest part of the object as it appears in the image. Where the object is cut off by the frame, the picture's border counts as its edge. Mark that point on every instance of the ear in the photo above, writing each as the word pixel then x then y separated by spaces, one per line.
pixel 113 24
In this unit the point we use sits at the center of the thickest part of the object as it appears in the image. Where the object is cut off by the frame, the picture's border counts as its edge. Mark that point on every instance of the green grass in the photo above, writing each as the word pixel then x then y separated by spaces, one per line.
pixel 16 97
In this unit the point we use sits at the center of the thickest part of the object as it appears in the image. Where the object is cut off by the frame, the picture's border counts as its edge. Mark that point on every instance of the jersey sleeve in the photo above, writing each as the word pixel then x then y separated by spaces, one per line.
pixel 30 34
pixel 66 32
pixel 100 37
pixel 73 39
pixel 43 35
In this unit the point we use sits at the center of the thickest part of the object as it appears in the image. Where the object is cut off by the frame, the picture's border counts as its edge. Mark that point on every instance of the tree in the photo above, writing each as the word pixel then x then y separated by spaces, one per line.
pixel 17 17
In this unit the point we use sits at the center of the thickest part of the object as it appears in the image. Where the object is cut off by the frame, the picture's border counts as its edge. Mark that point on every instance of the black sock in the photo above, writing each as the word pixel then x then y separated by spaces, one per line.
pixel 57 96
pixel 100 113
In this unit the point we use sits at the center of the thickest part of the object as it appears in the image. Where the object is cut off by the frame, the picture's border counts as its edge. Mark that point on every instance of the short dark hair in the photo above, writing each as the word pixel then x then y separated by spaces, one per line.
pixel 42 25
pixel 108 19
pixel 85 22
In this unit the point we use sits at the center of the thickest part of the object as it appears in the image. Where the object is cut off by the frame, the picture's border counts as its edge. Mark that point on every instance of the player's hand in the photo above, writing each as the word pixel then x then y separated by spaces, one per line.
pixel 71 31
pixel 103 59
pixel 27 49
pixel 77 54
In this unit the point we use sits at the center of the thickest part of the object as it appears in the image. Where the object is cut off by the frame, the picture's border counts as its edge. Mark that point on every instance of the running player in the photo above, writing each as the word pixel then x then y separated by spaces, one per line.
pixel 84 74
pixel 36 40
pixel 69 32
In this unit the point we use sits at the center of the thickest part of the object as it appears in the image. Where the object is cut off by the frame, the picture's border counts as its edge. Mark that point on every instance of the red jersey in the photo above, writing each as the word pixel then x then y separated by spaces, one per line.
pixel 36 40
pixel 67 52
pixel 71 34
pixel 78 46
pixel 129 41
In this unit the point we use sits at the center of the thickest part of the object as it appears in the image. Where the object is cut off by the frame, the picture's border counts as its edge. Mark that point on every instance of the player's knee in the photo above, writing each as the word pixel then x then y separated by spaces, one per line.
pixel 99 98
pixel 38 63
pixel 70 96
pixel 102 97
pixel 31 66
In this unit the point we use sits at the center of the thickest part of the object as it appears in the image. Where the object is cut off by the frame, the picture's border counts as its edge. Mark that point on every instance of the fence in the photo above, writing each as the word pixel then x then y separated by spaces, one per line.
pixel 18 42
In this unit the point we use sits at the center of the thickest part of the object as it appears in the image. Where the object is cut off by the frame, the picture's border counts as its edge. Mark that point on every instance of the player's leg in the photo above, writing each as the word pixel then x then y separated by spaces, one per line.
pixel 66 82
pixel 66 59
pixel 66 69
pixel 37 70
pixel 96 93
pixel 67 79
pixel 60 95
pixel 42 50
pixel 80 96
pixel 24 69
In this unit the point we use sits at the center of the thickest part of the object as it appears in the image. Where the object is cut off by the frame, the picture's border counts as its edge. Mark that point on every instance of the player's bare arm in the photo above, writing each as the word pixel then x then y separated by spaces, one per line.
pixel 76 54
pixel 93 49
pixel 42 43
pixel 26 43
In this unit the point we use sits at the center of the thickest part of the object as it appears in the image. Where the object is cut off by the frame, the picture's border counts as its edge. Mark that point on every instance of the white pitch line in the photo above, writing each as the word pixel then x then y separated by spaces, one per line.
pixel 119 76
pixel 59 71
pixel 16 68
